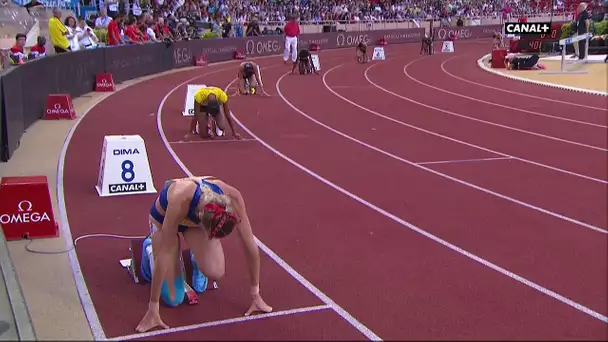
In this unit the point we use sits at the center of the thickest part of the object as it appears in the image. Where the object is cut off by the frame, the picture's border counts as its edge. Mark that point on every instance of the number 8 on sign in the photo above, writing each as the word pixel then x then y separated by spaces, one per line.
pixel 128 174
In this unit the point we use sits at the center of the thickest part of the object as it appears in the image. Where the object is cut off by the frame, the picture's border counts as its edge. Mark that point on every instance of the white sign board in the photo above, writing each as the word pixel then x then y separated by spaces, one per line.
pixel 378 54
pixel 124 168
pixel 447 46
pixel 189 102
pixel 315 62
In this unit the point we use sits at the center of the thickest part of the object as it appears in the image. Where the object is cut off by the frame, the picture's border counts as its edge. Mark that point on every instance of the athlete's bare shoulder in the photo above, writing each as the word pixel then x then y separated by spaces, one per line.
pixel 182 187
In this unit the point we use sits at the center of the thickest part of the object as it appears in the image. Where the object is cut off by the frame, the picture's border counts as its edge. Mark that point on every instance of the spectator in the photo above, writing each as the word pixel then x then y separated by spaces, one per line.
pixel 112 7
pixel 253 29
pixel 85 36
pixel 133 32
pixel 103 20
pixel 70 24
pixel 150 33
pixel 38 50
pixel 17 51
pixel 58 33
pixel 163 31
pixel 114 34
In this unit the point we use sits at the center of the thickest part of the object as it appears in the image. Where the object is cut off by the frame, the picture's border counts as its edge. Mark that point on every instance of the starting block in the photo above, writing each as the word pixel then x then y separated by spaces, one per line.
pixel 378 54
pixel 189 101
pixel 315 62
pixel 447 46
pixel 133 267
pixel 26 210
pixel 124 168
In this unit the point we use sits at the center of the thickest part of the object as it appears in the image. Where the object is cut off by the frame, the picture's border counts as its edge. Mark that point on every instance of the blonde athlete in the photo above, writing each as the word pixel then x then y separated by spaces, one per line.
pixel 203 210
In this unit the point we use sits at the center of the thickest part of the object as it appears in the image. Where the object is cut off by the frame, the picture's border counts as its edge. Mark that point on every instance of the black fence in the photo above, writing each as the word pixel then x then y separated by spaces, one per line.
pixel 24 88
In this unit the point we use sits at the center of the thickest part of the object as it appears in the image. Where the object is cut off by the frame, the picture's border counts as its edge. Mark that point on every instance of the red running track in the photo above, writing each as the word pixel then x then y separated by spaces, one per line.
pixel 335 228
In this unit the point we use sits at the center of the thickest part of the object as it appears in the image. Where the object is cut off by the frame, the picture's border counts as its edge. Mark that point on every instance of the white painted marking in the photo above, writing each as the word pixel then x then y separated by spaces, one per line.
pixel 374 148
pixel 414 228
pixel 307 284
pixel 213 141
pixel 514 92
pixel 222 322
pixel 83 292
pixel 462 160
pixel 456 140
pixel 500 105
pixel 472 118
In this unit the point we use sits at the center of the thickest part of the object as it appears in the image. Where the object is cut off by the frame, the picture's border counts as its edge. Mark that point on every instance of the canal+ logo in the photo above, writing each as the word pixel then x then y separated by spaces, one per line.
pixel 527 28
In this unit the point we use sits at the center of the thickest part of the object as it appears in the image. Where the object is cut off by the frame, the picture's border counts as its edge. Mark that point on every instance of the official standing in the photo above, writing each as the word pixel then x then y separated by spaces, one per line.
pixel 292 32
pixel 582 27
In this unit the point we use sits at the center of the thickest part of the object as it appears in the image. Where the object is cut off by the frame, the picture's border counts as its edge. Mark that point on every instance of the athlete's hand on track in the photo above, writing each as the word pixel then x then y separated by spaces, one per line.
pixel 237 136
pixel 258 305
pixel 151 320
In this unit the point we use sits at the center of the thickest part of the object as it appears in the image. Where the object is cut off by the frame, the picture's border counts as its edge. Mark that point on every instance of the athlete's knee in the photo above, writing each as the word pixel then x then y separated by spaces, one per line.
pixel 180 292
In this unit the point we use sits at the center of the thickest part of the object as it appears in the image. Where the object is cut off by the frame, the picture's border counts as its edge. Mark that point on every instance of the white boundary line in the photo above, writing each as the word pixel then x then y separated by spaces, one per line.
pixel 388 154
pixel 454 161
pixel 497 104
pixel 456 140
pixel 241 319
pixel 514 92
pixel 212 141
pixel 473 118
pixel 481 64
pixel 297 276
pixel 410 226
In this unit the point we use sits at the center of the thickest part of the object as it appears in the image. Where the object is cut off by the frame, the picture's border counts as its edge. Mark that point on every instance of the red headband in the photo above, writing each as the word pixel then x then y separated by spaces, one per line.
pixel 219 210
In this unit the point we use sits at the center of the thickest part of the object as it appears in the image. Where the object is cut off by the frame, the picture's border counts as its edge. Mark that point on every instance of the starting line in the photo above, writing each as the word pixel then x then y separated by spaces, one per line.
pixel 253 317
pixel 212 141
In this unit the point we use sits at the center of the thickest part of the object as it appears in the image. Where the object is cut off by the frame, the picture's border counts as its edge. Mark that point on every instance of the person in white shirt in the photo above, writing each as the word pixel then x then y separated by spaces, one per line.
pixel 150 32
pixel 103 20
pixel 85 35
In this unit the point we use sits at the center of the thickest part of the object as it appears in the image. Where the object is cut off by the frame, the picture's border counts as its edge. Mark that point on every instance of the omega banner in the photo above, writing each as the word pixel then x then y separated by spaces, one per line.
pixel 223 49
pixel 466 32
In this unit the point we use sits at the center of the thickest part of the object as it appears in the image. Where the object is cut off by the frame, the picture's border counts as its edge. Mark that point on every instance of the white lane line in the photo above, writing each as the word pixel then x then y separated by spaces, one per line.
pixel 297 276
pixel 416 229
pixel 462 161
pixel 216 141
pixel 453 139
pixel 388 154
pixel 514 92
pixel 222 322
pixel 497 104
pixel 473 118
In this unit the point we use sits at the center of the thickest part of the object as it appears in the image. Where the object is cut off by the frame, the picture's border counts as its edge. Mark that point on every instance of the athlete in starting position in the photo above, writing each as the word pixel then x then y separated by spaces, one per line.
pixel 203 210
pixel 362 53
pixel 207 103
pixel 304 63
pixel 249 77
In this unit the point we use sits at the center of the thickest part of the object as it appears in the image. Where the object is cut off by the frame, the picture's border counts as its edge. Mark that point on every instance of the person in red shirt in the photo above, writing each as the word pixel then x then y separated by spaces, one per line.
pixel 114 37
pixel 292 32
pixel 38 50
pixel 17 51
pixel 133 31
pixel 162 30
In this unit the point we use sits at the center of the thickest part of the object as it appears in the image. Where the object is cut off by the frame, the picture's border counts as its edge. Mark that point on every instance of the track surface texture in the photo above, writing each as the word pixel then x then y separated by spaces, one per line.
pixel 418 197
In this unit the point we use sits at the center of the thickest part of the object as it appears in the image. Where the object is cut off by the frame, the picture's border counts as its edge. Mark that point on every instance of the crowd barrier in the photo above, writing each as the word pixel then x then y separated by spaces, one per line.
pixel 24 88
